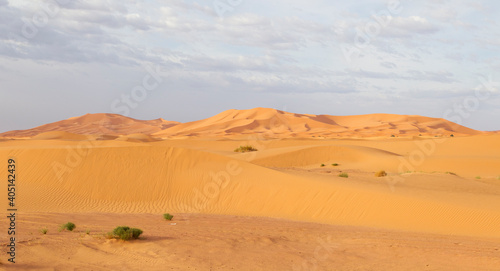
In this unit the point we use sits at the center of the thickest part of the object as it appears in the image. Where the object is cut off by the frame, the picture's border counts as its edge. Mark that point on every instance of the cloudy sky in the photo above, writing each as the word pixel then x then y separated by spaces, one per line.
pixel 188 60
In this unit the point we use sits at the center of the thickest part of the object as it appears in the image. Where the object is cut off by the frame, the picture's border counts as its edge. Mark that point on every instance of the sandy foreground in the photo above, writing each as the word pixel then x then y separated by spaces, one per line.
pixel 274 209
pixel 217 242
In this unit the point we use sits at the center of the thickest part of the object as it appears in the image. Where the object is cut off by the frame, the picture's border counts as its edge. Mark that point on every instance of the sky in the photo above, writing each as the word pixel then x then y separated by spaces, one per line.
pixel 189 60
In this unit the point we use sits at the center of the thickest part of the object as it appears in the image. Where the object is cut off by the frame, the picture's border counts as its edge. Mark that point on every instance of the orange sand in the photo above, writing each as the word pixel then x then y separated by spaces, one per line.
pixel 439 192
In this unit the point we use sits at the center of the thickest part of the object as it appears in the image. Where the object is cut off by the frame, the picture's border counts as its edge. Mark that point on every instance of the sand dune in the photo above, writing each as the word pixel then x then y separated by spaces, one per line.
pixel 61 135
pixel 97 124
pixel 262 122
pixel 111 176
pixel 276 123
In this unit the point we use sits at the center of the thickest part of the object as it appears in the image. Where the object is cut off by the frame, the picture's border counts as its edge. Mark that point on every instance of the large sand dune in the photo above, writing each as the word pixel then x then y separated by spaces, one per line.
pixel 287 182
pixel 276 123
pixel 265 122
pixel 97 124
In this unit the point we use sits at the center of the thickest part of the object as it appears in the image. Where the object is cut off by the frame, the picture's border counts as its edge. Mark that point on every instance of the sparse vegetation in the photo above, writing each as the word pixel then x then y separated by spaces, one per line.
pixel 452 135
pixel 168 216
pixel 126 233
pixel 451 173
pixel 68 226
pixel 381 173
pixel 344 175
pixel 247 148
pixel 393 136
pixel 335 164
pixel 87 231
pixel 322 165
pixel 109 235
pixel 44 231
pixel 478 177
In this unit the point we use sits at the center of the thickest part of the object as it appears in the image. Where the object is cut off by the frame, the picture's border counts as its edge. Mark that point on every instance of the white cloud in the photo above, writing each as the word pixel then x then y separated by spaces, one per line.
pixel 269 48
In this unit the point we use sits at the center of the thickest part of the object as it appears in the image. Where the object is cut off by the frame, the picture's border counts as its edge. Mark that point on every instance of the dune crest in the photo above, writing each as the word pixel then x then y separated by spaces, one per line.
pixel 97 124
pixel 266 122
pixel 280 124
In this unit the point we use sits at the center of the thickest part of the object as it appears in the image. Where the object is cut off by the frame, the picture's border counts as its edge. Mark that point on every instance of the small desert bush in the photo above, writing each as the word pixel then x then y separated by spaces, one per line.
pixel 168 216
pixel 126 233
pixel 393 136
pixel 452 135
pixel 335 164
pixel 344 175
pixel 87 231
pixel 68 226
pixel 478 177
pixel 322 165
pixel 246 148
pixel 44 231
pixel 451 173
pixel 381 173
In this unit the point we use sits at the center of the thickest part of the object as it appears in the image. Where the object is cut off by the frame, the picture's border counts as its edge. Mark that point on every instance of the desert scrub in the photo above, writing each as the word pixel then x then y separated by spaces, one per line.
pixel 44 231
pixel 381 173
pixel 478 177
pixel 246 148
pixel 344 175
pixel 322 165
pixel 68 226
pixel 168 216
pixel 335 164
pixel 126 233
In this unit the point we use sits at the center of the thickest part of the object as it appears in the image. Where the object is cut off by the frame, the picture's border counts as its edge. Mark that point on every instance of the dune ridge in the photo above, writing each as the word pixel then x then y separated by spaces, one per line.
pixel 97 124
pixel 265 122
pixel 280 124
pixel 151 177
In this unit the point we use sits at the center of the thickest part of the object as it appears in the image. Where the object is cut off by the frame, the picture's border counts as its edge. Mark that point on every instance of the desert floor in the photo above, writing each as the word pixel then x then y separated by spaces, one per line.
pixel 217 242
pixel 274 209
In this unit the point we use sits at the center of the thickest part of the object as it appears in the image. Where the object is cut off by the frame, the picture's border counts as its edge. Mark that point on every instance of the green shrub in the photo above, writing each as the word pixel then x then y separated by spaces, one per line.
pixel 381 173
pixel 322 165
pixel 168 216
pixel 126 233
pixel 246 148
pixel 87 231
pixel 68 226
pixel 452 135
pixel 335 164
pixel 478 177
pixel 393 136
pixel 344 175
pixel 44 231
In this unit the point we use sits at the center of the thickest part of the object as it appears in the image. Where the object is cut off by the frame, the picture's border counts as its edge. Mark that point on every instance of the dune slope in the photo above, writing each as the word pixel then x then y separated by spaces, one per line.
pixel 121 176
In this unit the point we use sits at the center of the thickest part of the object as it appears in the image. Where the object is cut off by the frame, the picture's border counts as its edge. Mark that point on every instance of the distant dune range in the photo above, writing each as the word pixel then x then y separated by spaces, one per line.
pixel 446 185
pixel 265 122
pixel 96 124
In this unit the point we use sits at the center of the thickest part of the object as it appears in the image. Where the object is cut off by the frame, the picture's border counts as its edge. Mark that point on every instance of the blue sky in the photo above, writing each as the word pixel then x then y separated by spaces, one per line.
pixel 188 60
